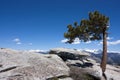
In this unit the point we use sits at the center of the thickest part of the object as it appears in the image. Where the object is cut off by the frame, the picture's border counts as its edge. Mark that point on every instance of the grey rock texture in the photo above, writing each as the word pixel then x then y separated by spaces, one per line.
pixel 80 60
pixel 73 65
pixel 18 65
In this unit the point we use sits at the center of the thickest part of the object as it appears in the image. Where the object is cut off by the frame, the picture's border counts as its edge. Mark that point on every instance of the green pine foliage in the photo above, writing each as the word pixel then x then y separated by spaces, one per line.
pixel 89 29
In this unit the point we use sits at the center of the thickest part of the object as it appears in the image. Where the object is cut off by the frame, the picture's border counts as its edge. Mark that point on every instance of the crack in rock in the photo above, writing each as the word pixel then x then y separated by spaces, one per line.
pixel 8 69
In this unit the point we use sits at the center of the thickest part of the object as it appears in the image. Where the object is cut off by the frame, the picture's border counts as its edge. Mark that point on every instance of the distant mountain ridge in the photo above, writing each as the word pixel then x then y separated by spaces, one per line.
pixel 113 57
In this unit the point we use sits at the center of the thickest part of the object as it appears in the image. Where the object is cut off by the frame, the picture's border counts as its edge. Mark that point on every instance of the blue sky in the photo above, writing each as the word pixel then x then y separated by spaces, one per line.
pixel 40 24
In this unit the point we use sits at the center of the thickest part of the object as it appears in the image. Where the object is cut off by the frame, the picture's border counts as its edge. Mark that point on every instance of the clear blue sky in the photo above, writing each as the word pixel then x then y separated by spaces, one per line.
pixel 40 24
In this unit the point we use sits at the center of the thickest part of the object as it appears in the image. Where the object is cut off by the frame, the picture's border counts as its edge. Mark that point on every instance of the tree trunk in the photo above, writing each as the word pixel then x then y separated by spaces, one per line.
pixel 104 55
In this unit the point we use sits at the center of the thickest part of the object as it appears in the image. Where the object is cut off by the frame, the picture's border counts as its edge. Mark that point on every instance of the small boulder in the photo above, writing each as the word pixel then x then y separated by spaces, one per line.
pixel 70 54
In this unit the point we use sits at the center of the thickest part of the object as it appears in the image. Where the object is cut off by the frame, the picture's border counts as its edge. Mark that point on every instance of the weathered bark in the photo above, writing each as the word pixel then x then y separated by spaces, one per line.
pixel 104 55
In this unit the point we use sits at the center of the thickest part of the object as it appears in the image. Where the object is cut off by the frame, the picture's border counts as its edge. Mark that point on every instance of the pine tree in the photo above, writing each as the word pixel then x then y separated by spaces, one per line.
pixel 91 29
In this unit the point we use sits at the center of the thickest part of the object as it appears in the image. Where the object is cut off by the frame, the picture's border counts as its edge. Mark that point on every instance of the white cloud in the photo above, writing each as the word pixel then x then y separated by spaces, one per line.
pixel 114 42
pixel 18 43
pixel 76 41
pixel 64 40
pixel 88 42
pixel 37 50
pixel 16 40
pixel 91 50
pixel 111 42
pixel 101 42
pixel 109 38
